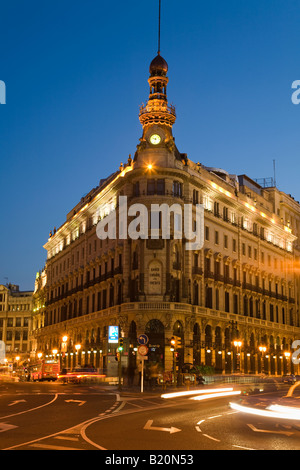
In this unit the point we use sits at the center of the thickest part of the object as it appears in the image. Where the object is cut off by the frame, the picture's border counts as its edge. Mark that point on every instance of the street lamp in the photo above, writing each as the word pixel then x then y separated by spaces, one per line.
pixel 17 358
pixel 262 350
pixel 77 347
pixel 172 349
pixel 287 355
pixel 63 350
pixel 238 345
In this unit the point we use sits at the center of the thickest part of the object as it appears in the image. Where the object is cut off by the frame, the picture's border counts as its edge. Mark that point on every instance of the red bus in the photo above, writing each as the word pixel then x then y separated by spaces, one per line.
pixel 44 370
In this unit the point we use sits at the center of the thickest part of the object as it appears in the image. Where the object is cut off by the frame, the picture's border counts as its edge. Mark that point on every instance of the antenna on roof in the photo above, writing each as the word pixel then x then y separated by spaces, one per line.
pixel 159 16
pixel 274 169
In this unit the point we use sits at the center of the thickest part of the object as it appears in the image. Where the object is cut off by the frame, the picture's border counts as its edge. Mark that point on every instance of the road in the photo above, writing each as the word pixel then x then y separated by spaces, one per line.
pixel 53 416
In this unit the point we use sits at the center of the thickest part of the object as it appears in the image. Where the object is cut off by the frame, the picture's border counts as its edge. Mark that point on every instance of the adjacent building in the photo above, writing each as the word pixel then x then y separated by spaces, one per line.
pixel 241 285
pixel 15 322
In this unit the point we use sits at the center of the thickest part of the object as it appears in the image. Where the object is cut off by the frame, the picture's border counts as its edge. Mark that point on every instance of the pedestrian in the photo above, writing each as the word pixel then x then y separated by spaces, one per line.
pixel 131 373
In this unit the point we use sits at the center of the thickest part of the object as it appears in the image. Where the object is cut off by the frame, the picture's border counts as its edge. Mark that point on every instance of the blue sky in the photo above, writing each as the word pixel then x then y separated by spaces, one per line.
pixel 76 73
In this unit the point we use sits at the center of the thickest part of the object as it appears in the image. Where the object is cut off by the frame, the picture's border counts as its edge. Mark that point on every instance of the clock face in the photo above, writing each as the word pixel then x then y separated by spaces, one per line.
pixel 155 139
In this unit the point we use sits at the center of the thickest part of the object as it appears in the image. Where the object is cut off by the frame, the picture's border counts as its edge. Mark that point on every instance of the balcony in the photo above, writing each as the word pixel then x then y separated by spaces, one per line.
pixel 197 270
pixel 177 266
pixel 158 307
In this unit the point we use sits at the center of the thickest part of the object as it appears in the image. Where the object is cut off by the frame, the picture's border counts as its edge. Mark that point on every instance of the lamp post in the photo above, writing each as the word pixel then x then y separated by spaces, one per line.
pixel 63 350
pixel 172 349
pixel 287 355
pixel 262 350
pixel 77 347
pixel 17 361
pixel 238 345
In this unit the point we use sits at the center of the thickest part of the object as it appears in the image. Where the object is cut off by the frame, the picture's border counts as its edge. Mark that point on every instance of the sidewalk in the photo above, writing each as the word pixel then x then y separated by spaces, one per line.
pixel 246 383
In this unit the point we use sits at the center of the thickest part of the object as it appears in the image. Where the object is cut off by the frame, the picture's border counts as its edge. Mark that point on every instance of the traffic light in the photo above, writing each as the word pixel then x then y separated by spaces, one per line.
pixel 121 344
pixel 178 342
pixel 173 343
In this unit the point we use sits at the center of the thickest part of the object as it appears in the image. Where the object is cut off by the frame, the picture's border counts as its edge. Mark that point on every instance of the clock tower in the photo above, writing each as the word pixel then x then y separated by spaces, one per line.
pixel 157 116
pixel 157 144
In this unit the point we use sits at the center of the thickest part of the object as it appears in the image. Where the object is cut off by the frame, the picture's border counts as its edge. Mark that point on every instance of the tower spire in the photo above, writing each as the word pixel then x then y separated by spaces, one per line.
pixel 157 112
pixel 159 18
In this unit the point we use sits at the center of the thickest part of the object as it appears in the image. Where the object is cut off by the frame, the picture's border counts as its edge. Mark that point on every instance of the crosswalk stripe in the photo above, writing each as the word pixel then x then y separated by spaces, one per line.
pixel 51 447
pixel 67 438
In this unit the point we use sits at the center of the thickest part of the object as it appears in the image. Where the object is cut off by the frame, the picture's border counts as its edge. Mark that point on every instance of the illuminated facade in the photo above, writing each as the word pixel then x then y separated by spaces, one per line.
pixel 15 322
pixel 243 284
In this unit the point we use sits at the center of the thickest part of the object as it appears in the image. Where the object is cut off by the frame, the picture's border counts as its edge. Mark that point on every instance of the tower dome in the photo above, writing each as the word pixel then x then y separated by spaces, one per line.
pixel 158 66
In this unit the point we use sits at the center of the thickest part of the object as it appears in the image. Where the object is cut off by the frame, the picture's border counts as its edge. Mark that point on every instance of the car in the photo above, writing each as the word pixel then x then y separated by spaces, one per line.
pixel 81 375
pixel 191 369
pixel 289 378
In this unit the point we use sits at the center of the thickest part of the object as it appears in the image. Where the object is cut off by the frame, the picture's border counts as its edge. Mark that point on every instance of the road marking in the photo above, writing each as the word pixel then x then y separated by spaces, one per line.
pixel 15 402
pixel 49 447
pixel 198 429
pixel 84 436
pixel 67 438
pixel 79 428
pixel 81 402
pixel 123 403
pixel 31 409
pixel 212 438
pixel 286 433
pixel 149 427
pixel 134 404
pixel 242 447
pixel 6 427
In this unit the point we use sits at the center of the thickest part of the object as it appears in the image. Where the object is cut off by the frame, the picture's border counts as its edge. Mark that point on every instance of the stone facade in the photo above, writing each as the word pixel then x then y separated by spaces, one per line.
pixel 15 322
pixel 243 283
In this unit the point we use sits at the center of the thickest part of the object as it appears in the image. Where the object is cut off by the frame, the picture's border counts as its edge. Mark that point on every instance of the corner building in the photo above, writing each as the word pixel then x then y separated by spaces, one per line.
pixel 243 284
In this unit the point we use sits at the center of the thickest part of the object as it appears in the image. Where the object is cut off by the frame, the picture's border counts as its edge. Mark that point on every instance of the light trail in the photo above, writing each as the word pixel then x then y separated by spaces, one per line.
pixel 216 395
pixel 195 392
pixel 273 411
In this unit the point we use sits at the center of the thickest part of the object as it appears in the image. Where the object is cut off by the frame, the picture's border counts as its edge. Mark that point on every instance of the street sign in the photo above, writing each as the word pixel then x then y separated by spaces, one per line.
pixel 142 350
pixel 143 339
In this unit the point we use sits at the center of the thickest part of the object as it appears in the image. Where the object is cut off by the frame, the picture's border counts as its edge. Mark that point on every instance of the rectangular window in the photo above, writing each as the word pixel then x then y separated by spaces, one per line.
pixel 216 237
pixel 227 302
pixel 160 187
pixel 207 233
pixel 177 189
pixel 225 241
pixel 195 196
pixel 136 188
pixel 150 187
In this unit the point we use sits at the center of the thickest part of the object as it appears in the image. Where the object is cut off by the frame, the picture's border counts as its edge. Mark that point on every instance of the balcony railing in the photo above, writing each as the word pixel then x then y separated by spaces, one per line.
pixel 136 307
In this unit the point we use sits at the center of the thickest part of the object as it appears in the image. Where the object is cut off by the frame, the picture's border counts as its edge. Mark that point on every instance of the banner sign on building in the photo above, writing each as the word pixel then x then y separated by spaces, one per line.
pixel 113 334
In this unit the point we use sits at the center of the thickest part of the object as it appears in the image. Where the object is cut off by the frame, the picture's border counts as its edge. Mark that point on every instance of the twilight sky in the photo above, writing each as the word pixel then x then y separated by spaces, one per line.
pixel 76 73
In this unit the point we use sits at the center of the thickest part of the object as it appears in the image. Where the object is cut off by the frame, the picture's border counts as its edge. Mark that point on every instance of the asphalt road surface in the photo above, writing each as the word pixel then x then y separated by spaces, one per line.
pixel 53 416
